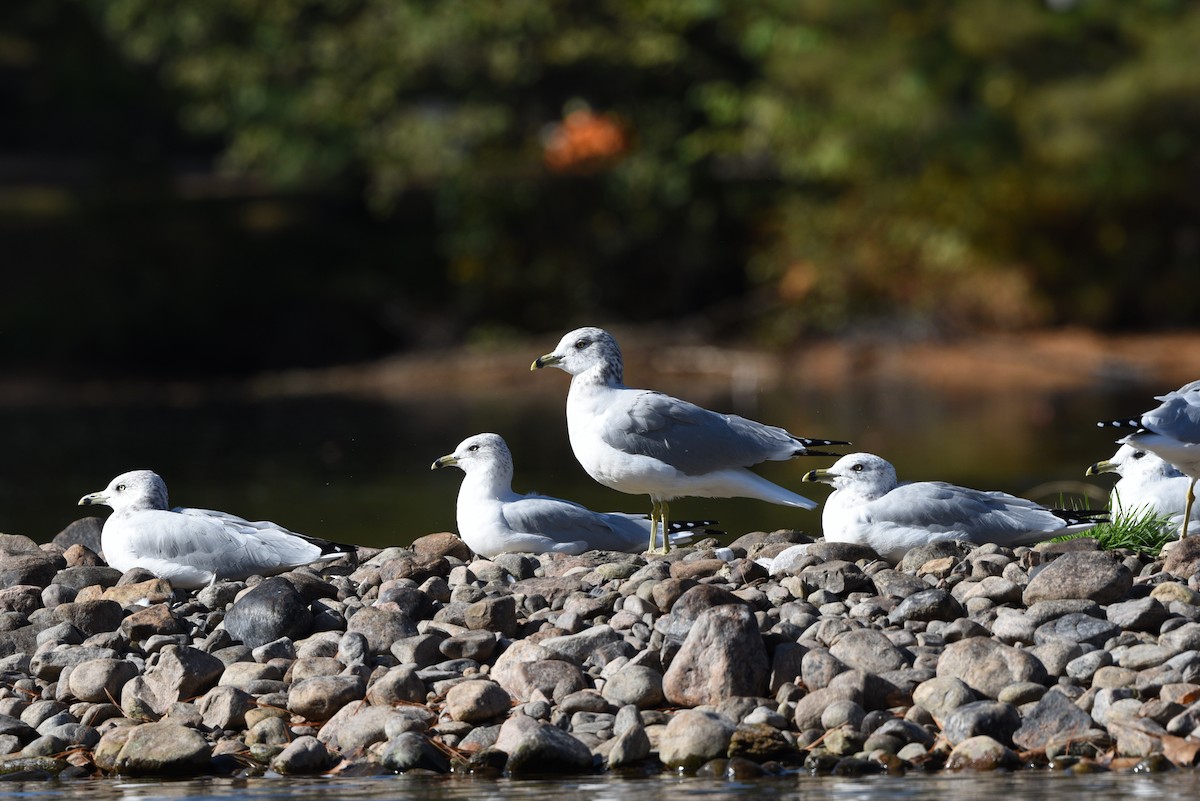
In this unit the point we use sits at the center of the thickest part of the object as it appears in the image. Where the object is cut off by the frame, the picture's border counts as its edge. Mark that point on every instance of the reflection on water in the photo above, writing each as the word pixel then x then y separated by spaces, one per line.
pixel 1031 786
pixel 358 470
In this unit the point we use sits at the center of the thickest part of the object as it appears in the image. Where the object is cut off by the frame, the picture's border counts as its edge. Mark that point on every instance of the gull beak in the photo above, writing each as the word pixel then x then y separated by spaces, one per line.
pixel 1104 466
pixel 448 460
pixel 93 499
pixel 823 476
pixel 549 360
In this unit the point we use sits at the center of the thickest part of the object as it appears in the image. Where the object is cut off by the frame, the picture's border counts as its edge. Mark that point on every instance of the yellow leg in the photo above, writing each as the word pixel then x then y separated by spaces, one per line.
pixel 662 507
pixel 653 527
pixel 1187 510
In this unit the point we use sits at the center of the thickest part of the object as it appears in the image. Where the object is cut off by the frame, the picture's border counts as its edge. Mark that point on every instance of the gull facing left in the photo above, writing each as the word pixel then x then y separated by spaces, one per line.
pixel 647 443
pixel 492 519
pixel 1172 430
pixel 1147 484
pixel 870 507
pixel 194 547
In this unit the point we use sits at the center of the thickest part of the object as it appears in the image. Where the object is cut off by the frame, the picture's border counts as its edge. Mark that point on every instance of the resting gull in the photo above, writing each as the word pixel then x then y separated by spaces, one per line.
pixel 868 506
pixel 492 519
pixel 194 547
pixel 647 443
pixel 1172 430
pixel 1147 484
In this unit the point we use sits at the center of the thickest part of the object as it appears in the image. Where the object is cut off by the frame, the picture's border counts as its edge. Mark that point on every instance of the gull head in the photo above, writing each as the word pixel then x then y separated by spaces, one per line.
pixel 584 350
pixel 1130 461
pixel 137 489
pixel 864 472
pixel 482 452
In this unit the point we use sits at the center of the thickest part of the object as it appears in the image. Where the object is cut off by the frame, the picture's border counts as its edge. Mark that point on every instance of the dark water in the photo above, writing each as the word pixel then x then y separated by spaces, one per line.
pixel 1032 786
pixel 357 470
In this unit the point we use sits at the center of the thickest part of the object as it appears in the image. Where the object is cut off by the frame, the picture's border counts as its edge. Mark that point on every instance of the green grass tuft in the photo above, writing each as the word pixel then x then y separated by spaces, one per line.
pixel 1142 532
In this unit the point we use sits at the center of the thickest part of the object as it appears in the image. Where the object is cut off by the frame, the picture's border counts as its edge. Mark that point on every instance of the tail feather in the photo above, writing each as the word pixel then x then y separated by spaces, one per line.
pixel 683 532
pixel 1077 517
pixel 1132 422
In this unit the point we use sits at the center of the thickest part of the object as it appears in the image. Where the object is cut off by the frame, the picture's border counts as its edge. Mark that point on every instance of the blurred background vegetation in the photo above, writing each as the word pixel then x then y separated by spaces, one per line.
pixel 208 187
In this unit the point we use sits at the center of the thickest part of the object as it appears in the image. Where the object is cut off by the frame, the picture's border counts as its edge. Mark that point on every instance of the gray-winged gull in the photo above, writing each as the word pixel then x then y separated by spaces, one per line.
pixel 1147 484
pixel 868 506
pixel 647 443
pixel 194 547
pixel 492 519
pixel 1172 430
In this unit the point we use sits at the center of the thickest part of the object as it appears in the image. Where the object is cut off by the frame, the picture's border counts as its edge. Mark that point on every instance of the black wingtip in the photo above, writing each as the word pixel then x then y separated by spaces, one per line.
pixel 1076 516
pixel 676 526
pixel 1130 423
pixel 808 442
pixel 807 452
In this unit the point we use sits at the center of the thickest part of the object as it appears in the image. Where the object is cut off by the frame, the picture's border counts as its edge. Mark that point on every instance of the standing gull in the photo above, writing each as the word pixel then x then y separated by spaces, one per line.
pixel 868 506
pixel 492 519
pixel 1147 485
pixel 647 443
pixel 194 547
pixel 1172 430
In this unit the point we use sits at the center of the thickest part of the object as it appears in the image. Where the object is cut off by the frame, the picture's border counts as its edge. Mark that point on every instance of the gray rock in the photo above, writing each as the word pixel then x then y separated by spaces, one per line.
pixel 82 576
pixel 48 665
pixel 358 725
pixel 224 708
pixel 536 747
pixel 930 604
pixel 981 753
pixel 381 627
pixel 267 612
pixel 304 755
pixel 154 749
pixel 810 708
pixel 630 746
pixel 1140 614
pixel 410 750
pixel 1076 627
pixel 421 650
pixel 819 667
pixel 1082 668
pixel 917 557
pixel 635 684
pixel 35 569
pixel 183 673
pixel 1054 719
pixel 100 680
pixel 577 648
pixel 992 718
pixel 1092 575
pixel 498 614
pixel 869 650
pixel 85 532
pixel 693 737
pixel 400 684
pixel 476 701
pixel 149 622
pixel 722 656
pixel 91 617
pixel 318 699
pixel 553 678
pixel 476 645
pixel 987 667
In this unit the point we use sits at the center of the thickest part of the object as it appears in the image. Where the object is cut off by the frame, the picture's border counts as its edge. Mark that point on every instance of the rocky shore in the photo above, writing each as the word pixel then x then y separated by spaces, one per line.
pixel 425 658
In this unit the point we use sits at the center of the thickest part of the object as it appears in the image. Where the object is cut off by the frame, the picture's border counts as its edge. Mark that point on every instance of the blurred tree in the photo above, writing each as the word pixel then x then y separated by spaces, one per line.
pixel 768 166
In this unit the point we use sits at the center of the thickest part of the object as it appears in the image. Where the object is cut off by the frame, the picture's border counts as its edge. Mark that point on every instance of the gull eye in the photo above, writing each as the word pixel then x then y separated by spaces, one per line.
pixel 1138 454
pixel 580 344
pixel 473 447
pixel 120 488
pixel 858 468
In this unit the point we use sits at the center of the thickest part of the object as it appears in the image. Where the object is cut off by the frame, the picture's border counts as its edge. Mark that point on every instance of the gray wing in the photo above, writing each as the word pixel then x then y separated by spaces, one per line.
pixel 1175 418
pixel 566 521
pixel 209 543
pixel 937 506
pixel 689 438
pixel 265 529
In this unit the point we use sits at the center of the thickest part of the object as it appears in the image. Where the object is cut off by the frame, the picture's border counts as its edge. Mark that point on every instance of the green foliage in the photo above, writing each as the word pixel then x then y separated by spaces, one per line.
pixel 1142 532
pixel 789 166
